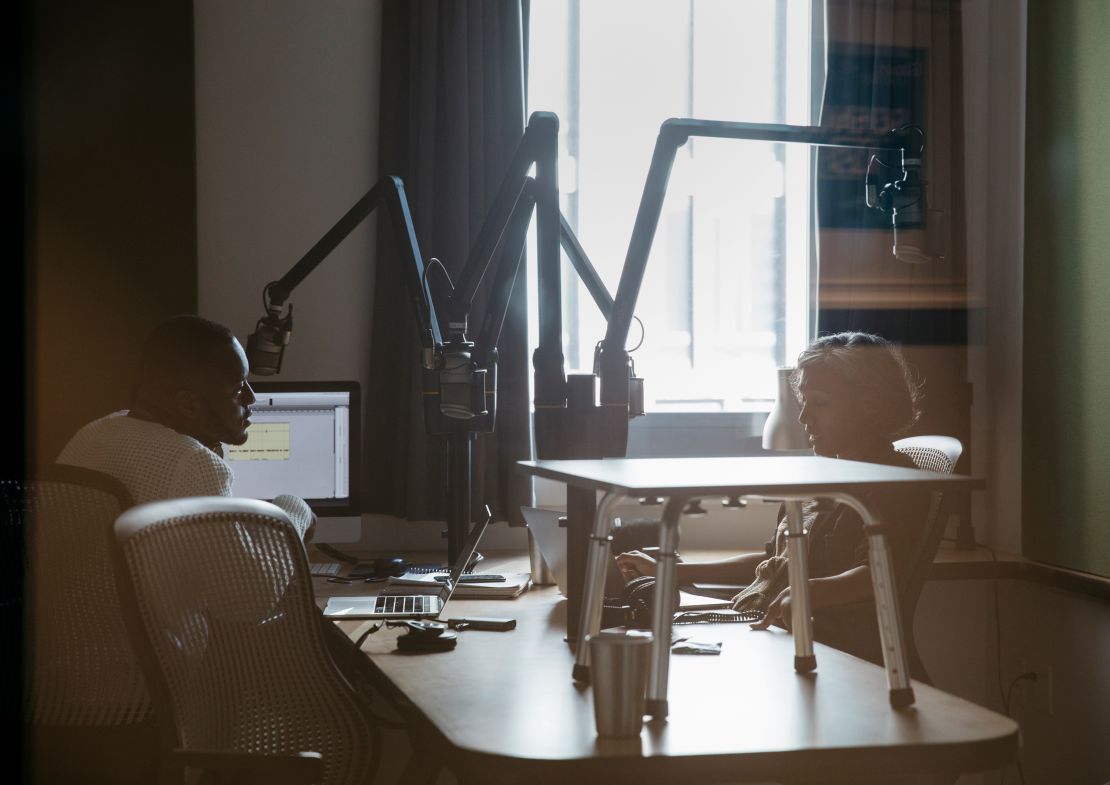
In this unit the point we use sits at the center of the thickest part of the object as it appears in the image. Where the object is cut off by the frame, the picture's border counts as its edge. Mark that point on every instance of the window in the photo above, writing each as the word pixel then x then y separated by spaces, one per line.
pixel 727 292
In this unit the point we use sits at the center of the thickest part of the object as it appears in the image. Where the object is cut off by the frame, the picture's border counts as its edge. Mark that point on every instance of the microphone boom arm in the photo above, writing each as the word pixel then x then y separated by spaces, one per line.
pixel 673 134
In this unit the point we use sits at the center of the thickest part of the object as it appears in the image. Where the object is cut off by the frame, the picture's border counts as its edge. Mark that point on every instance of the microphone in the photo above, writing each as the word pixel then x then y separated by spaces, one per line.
pixel 266 345
pixel 909 252
pixel 903 198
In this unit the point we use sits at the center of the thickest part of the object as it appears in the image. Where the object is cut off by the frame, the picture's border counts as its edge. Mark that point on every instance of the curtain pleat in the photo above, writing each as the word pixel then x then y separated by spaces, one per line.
pixel 452 114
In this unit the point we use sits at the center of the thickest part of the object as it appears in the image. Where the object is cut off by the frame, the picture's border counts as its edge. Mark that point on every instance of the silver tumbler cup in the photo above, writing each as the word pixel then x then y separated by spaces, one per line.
pixel 541 573
pixel 618 673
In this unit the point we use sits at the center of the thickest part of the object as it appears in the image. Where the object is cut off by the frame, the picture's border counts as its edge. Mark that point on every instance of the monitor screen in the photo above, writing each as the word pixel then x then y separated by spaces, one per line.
pixel 303 439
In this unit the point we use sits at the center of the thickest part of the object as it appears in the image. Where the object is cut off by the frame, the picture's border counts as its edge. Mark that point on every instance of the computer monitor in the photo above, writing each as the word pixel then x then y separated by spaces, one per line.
pixel 303 439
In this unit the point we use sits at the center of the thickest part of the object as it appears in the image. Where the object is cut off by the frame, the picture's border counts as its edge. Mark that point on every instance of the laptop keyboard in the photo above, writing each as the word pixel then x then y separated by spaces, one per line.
pixel 404 604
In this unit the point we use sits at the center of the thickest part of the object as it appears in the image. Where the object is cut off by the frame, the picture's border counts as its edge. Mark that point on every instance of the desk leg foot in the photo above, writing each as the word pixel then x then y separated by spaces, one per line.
pixel 657 708
pixel 805 664
pixel 581 673
pixel 902 697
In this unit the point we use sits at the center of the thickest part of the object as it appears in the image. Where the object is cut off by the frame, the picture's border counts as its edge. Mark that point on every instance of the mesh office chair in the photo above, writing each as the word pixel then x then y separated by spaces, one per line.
pixel 218 598
pixel 937 454
pixel 86 706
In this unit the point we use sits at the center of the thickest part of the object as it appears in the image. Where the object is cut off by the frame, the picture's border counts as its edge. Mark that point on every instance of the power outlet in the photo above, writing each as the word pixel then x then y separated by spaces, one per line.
pixel 1037 693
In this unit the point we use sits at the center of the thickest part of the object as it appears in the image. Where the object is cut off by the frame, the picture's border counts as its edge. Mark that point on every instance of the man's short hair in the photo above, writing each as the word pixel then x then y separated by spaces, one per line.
pixel 180 349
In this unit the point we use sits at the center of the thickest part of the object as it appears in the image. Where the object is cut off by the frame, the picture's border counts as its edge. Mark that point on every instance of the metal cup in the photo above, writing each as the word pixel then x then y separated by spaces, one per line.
pixel 618 672
pixel 541 573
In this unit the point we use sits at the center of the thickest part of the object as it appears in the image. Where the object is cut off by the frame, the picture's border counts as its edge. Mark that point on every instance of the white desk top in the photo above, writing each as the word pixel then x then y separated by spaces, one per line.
pixel 759 475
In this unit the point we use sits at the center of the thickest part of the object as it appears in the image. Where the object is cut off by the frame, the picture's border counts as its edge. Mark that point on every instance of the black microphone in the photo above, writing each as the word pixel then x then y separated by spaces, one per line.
pixel 266 345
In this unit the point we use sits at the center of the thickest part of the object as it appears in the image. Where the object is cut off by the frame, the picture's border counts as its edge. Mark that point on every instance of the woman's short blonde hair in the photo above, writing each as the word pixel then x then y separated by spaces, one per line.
pixel 875 369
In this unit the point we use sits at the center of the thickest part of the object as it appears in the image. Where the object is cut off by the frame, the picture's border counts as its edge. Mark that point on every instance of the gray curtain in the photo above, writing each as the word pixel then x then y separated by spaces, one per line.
pixel 452 113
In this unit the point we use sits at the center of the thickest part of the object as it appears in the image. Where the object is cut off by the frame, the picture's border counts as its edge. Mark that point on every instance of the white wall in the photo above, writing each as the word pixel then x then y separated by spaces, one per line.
pixel 976 652
pixel 287 140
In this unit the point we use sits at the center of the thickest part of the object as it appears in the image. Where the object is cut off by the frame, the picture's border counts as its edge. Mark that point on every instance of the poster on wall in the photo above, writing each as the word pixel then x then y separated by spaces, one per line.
pixel 870 90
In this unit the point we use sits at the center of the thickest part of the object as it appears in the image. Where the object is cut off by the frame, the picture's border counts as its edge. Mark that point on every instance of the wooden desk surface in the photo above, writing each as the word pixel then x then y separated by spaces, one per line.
pixel 506 706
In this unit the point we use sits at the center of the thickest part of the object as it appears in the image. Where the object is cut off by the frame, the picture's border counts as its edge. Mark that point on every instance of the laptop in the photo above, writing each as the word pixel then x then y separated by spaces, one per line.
pixel 551 538
pixel 408 606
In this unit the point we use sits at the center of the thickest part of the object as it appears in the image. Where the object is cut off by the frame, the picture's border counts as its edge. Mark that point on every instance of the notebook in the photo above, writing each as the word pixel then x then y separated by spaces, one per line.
pixel 552 541
pixel 407 606
pixel 509 586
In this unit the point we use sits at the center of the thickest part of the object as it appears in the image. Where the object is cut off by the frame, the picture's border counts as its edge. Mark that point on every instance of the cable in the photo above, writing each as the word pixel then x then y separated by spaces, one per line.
pixel 1026 676
pixel 356 661
pixel 443 269
pixel 643 333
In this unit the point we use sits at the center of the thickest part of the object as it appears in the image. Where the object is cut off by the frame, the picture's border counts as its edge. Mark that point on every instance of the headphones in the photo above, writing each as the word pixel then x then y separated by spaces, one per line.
pixel 633 608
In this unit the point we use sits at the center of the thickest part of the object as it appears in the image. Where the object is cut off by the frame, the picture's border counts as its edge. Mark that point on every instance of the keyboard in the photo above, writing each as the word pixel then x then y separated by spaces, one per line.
pixel 404 603
pixel 325 568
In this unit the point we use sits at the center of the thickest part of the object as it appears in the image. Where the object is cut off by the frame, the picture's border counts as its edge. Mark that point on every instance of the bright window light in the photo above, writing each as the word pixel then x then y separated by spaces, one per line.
pixel 727 292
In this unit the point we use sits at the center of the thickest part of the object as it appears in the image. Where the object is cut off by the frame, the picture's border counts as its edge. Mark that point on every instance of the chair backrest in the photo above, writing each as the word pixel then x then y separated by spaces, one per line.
pixel 933 453
pixel 937 454
pixel 81 670
pixel 218 596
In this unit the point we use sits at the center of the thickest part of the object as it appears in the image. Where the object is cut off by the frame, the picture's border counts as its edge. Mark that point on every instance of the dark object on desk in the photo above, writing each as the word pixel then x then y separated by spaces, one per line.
pixel 482 623
pixel 378 568
pixel 424 636
pixel 639 593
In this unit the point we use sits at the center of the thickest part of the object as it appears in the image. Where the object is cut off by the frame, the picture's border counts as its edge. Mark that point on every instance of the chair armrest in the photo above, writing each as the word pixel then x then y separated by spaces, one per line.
pixel 246 768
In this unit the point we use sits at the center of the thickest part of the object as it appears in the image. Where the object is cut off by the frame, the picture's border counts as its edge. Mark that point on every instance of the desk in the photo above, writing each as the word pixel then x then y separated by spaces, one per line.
pixel 790 479
pixel 501 709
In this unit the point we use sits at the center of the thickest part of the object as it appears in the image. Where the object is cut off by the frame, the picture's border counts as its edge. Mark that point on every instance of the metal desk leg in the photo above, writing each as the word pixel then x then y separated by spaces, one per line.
pixel 797 566
pixel 594 589
pixel 886 606
pixel 662 612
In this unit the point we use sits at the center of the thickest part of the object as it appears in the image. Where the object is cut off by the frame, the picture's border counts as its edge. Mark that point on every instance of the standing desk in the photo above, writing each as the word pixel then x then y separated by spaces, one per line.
pixel 789 479
pixel 501 710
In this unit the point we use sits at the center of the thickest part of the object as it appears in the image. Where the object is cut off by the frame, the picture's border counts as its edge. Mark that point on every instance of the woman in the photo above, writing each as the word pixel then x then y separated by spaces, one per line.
pixel 857 395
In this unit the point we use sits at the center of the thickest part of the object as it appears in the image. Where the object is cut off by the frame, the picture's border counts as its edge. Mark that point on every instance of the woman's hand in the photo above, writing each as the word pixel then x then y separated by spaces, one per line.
pixel 779 610
pixel 633 564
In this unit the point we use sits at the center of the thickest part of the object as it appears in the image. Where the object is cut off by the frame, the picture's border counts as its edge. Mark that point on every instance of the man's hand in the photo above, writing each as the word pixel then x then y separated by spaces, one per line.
pixel 633 564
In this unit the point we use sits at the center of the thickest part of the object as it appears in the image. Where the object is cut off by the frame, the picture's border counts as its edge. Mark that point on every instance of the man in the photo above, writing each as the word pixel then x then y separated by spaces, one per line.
pixel 191 398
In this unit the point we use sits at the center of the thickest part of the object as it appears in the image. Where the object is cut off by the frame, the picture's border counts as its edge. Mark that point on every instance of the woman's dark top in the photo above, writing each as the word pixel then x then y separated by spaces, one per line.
pixel 837 543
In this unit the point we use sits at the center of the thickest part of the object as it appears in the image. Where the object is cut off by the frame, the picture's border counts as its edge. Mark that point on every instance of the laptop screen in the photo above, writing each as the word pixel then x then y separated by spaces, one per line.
pixel 467 550
pixel 303 440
